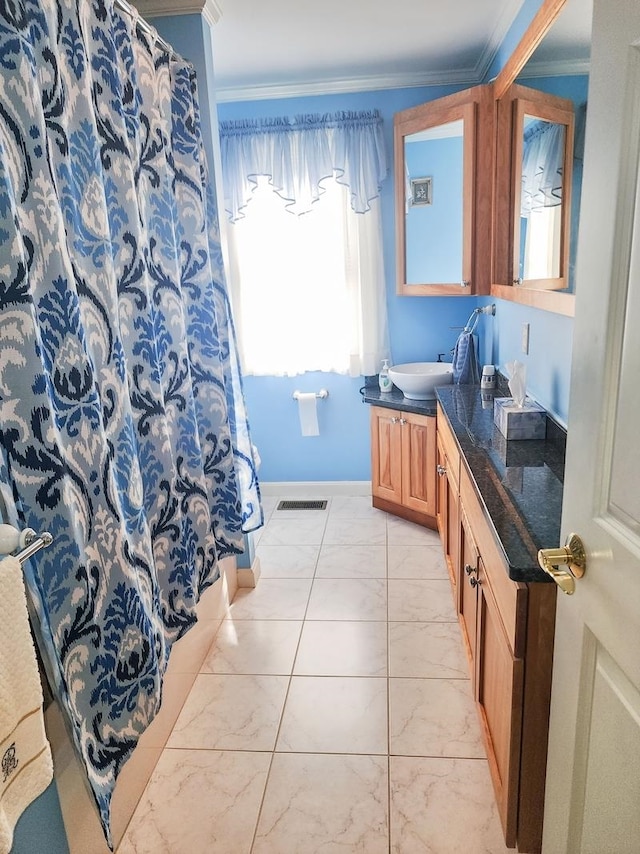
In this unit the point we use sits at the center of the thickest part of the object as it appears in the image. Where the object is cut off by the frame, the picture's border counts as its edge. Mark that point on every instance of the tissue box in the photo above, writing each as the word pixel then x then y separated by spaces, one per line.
pixel 519 422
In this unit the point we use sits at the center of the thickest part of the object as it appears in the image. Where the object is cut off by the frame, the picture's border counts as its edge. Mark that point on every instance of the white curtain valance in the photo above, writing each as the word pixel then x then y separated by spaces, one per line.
pixel 298 154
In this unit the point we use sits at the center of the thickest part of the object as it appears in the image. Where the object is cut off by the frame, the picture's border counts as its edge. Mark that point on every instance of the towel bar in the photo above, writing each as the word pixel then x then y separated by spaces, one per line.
pixel 471 324
pixel 321 394
pixel 40 542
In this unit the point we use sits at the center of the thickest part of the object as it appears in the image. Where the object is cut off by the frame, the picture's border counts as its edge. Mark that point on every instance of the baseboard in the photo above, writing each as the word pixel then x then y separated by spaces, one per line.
pixel 315 488
pixel 248 576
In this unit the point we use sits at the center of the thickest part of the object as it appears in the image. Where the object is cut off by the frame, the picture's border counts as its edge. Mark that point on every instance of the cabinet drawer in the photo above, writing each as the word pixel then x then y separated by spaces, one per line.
pixel 449 448
pixel 510 596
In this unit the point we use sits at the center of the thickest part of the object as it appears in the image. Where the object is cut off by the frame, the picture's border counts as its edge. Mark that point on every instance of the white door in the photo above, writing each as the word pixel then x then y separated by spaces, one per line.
pixel 593 774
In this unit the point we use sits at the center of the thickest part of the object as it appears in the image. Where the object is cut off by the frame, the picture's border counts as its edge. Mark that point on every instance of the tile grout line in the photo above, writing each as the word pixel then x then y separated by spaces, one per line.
pixel 286 696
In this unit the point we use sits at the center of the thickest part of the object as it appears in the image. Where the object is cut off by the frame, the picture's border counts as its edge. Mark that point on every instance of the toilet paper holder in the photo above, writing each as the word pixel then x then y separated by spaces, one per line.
pixel 321 394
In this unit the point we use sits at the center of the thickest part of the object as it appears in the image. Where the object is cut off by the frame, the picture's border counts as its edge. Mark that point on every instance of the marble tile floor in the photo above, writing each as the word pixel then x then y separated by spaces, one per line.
pixel 333 712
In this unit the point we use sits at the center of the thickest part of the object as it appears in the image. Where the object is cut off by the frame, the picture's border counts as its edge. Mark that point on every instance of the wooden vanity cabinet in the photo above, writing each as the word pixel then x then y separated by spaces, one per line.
pixel 403 464
pixel 507 629
pixel 448 471
pixel 493 615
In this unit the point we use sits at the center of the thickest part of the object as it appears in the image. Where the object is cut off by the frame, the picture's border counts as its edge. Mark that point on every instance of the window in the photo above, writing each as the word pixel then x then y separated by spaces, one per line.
pixel 305 244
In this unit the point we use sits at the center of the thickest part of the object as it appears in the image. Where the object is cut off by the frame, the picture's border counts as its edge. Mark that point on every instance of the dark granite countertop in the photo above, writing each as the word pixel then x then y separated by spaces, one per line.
pixel 395 399
pixel 520 483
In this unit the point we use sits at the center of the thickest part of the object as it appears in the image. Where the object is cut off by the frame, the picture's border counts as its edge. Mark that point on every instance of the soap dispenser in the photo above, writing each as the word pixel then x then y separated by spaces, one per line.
pixel 384 380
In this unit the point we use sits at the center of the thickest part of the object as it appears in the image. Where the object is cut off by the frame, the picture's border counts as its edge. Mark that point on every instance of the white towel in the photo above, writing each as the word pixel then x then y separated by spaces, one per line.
pixel 26 768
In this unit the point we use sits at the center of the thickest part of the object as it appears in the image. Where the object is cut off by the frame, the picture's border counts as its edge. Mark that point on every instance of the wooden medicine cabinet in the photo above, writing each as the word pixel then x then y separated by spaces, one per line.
pixel 443 169
pixel 532 205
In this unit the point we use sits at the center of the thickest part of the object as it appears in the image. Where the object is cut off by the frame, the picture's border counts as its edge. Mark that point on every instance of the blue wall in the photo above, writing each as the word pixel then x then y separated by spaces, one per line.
pixel 548 363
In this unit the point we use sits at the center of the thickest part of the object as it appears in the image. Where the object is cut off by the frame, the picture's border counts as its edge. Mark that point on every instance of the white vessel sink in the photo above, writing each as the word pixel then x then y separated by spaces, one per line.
pixel 418 380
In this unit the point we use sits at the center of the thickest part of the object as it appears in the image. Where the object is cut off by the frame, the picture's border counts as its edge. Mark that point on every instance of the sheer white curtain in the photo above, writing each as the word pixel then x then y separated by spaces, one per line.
pixel 542 166
pixel 541 197
pixel 306 269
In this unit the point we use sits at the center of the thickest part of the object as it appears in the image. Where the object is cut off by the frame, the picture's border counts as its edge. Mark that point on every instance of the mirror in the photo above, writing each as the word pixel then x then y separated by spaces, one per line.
pixel 534 150
pixel 434 161
pixel 434 177
pixel 542 191
pixel 558 68
pixel 543 146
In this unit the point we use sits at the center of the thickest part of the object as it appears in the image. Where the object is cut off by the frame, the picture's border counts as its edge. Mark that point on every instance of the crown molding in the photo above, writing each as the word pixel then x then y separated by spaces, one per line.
pixel 555 68
pixel 344 85
pixel 209 9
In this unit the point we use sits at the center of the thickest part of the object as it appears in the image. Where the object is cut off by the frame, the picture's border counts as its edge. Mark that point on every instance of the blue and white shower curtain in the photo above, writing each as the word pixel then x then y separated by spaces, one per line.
pixel 122 423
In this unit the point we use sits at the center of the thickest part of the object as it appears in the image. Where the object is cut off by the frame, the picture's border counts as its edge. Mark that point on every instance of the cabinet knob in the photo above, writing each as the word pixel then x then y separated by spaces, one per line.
pixel 465 283
pixel 403 420
pixel 517 281
pixel 441 470
pixel 474 582
pixel 394 420
pixel 470 569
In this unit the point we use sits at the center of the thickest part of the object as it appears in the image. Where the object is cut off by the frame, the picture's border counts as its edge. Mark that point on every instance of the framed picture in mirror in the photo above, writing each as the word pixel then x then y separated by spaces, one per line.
pixel 422 191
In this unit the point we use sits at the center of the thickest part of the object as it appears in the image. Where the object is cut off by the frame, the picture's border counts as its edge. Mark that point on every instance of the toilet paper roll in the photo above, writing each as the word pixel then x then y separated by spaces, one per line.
pixel 307 411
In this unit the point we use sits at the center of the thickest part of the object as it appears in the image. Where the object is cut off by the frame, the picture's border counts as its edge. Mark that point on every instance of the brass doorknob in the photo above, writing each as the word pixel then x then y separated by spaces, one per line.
pixel 572 555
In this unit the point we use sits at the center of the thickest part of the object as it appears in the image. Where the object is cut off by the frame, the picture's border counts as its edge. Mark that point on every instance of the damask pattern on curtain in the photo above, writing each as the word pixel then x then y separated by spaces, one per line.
pixel 122 422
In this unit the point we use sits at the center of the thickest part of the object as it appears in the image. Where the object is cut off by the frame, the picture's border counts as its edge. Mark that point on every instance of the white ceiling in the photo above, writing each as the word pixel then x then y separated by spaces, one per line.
pixel 277 48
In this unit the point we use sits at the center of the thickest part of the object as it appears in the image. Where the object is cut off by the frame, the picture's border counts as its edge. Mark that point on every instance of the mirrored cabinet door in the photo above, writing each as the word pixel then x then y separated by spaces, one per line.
pixel 437 180
pixel 534 148
pixel 435 202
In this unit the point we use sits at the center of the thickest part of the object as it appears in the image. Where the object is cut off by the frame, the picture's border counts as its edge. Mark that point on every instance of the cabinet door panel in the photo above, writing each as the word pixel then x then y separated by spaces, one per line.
pixel 453 535
pixel 448 519
pixel 419 463
pixel 386 448
pixel 499 696
pixel 441 507
pixel 467 593
pixel 449 449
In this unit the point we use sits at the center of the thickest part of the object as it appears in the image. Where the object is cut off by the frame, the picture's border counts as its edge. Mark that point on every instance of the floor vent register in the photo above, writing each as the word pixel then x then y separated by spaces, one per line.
pixel 302 505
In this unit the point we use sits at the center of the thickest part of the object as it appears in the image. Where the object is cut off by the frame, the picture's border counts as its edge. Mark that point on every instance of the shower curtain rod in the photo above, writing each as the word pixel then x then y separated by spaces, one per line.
pixel 130 10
